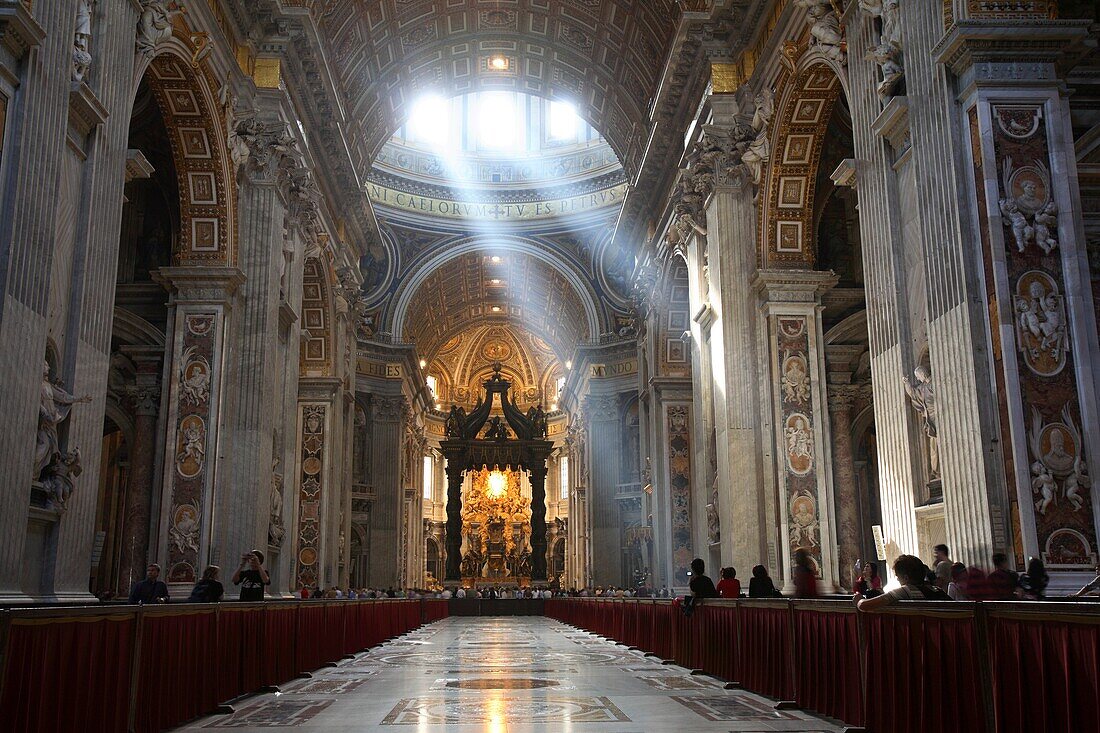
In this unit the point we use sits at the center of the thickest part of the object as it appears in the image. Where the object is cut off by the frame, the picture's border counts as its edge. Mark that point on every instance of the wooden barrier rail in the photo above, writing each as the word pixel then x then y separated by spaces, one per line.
pixel 913 668
pixel 148 668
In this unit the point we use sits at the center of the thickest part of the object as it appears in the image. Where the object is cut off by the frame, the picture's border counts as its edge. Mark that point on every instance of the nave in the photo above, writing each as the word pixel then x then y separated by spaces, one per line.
pixel 502 675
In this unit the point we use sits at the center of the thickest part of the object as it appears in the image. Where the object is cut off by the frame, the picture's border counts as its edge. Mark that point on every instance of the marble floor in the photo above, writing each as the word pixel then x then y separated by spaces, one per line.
pixel 508 675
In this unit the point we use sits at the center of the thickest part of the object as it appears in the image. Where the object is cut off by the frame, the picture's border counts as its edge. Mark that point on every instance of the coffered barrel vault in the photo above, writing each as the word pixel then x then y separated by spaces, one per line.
pixel 604 56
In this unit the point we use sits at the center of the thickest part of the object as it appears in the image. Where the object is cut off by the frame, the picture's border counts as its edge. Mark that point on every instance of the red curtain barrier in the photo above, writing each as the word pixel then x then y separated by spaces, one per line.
pixel 48 679
pixel 923 671
pixel 917 668
pixel 1045 673
pixel 828 677
pixel 80 669
pixel 178 668
pixel 764 650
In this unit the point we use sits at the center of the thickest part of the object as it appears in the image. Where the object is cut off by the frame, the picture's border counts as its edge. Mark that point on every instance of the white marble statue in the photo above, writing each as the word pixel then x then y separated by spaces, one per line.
pixel 82 40
pixel 194 448
pixel 714 525
pixel 923 397
pixel 53 409
pixel 759 150
pixel 1042 486
pixel 58 479
pixel 886 55
pixel 275 529
pixel 155 24
pixel 1077 482
pixel 825 28
pixel 1046 223
pixel 887 52
pixel 1022 231
pixel 795 380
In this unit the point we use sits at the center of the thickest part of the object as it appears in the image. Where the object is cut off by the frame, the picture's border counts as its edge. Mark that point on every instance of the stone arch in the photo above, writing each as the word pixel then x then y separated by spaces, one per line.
pixel 787 231
pixel 318 348
pixel 596 321
pixel 183 90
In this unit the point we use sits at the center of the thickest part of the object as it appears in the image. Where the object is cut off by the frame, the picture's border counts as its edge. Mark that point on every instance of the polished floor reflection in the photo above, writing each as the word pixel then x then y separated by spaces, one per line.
pixel 502 675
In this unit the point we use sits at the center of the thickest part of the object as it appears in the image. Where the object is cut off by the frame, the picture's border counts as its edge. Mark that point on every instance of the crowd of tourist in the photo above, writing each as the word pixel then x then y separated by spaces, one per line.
pixel 944 580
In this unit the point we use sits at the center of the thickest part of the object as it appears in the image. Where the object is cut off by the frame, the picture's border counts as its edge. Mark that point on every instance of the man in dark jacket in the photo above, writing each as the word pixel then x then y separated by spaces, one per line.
pixel 150 590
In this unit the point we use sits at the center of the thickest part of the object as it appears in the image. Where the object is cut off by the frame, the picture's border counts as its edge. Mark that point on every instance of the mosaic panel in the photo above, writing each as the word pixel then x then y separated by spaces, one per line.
pixel 196 379
pixel 273 714
pixel 802 507
pixel 538 711
pixel 732 707
pixel 679 481
pixel 328 686
pixel 674 682
pixel 312 424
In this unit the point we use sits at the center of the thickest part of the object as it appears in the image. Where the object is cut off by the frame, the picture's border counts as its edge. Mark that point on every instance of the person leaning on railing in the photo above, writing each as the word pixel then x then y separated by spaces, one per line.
pixel 1092 588
pixel 911 572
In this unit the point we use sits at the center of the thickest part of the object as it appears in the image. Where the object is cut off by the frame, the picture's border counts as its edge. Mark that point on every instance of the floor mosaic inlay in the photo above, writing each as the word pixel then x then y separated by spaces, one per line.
pixel 463 675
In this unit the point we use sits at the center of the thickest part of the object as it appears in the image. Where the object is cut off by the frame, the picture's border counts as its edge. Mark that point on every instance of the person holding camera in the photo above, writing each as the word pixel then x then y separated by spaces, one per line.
pixel 251 576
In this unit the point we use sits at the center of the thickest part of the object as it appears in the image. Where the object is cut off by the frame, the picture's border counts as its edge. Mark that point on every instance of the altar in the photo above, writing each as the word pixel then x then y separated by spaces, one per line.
pixel 496 492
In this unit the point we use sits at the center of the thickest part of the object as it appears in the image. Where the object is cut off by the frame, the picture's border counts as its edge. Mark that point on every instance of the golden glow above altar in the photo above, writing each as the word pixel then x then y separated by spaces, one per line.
pixel 496 485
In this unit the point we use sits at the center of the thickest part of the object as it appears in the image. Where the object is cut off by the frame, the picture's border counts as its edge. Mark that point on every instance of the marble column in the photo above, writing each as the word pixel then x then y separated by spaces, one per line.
pixel 144 396
pixel 849 540
pixel 34 154
pixel 731 238
pixel 388 414
pixel 889 235
pixel 199 310
pixel 577 546
pixel 538 523
pixel 243 512
pixel 796 383
pixel 605 545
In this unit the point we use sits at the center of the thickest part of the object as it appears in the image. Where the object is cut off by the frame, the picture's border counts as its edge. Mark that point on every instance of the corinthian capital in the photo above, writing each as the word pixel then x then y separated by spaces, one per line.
pixel 144 398
pixel 842 396
pixel 389 408
pixel 261 147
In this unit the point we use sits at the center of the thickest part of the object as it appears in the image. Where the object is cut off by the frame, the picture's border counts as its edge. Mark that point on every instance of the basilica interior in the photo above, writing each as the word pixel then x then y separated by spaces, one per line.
pixel 561 295
pixel 339 220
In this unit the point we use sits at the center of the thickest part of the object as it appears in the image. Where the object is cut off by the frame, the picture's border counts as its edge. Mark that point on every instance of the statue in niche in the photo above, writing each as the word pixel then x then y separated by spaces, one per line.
pixel 1042 486
pixel 275 529
pixel 825 28
pixel 54 407
pixel 57 479
pixel 923 397
pixel 82 39
pixel 714 527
